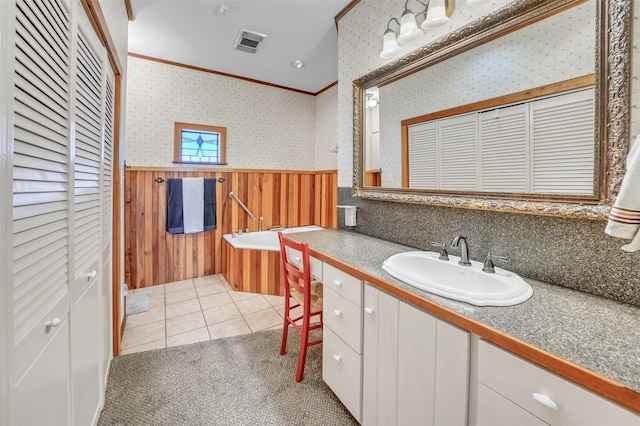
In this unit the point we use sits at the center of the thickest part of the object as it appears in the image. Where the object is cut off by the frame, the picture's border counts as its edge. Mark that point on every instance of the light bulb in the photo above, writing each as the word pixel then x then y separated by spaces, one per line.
pixel 390 47
pixel 409 30
pixel 436 15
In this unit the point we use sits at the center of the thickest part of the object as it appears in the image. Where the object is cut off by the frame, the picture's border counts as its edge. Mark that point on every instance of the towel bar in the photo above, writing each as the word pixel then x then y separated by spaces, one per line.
pixel 161 180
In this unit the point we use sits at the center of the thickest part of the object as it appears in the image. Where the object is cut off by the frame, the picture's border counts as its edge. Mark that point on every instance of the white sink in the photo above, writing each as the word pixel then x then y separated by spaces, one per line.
pixel 464 283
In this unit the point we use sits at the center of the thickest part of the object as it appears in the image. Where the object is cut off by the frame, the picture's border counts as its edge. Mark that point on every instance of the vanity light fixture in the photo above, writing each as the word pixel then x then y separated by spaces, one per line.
pixel 371 102
pixel 409 30
pixel 390 46
pixel 297 64
pixel 438 13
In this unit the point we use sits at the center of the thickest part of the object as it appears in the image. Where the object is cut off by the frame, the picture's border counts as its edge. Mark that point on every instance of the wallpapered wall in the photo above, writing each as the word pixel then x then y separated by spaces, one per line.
pixel 326 130
pixel 519 61
pixel 267 127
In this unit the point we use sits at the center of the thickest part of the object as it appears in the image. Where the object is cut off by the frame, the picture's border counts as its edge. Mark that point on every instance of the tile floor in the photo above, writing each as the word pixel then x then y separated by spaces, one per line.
pixel 197 310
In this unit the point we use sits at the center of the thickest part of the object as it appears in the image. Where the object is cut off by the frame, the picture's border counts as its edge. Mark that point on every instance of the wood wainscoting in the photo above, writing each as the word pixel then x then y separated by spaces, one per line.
pixel 281 197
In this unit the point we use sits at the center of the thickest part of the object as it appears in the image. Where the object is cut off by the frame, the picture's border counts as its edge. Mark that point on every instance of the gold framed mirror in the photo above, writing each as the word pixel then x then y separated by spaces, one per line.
pixel 610 81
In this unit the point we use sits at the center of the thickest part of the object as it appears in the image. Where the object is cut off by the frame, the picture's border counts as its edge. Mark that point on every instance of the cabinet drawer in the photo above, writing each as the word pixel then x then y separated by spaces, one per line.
pixel 341 370
pixel 518 380
pixel 342 283
pixel 295 257
pixel 496 410
pixel 343 318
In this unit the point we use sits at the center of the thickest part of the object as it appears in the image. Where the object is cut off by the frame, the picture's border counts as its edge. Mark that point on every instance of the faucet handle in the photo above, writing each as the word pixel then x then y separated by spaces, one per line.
pixel 488 262
pixel 443 250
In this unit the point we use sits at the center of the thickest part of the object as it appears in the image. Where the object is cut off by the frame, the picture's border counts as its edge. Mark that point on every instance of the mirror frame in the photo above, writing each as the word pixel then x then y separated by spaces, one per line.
pixel 612 120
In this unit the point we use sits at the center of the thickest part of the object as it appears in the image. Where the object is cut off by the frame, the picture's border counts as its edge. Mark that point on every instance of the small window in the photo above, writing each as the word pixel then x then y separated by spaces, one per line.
pixel 199 144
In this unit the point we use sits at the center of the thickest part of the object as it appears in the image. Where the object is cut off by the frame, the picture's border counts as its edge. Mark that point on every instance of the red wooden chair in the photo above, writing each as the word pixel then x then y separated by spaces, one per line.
pixel 307 294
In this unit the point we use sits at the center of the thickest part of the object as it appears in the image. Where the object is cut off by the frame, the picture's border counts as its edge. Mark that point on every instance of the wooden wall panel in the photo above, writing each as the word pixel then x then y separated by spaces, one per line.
pixel 285 198
pixel 326 199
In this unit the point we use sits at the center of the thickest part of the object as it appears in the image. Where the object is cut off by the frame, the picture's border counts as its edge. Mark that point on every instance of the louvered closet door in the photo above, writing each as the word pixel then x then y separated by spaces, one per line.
pixel 458 153
pixel 86 310
pixel 504 149
pixel 423 156
pixel 107 205
pixel 41 179
pixel 563 144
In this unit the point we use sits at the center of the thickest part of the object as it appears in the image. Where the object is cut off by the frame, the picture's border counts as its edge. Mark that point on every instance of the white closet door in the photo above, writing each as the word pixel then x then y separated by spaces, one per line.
pixel 41 178
pixel 86 307
pixel 423 156
pixel 504 149
pixel 107 218
pixel 459 153
pixel 88 151
pixel 563 146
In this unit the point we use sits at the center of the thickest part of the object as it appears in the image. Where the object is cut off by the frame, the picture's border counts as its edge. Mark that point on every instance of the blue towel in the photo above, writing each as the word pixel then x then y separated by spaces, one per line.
pixel 175 208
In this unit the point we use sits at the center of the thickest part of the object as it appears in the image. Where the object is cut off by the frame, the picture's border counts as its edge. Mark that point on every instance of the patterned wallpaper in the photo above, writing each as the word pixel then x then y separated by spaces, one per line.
pixel 267 127
pixel 521 60
pixel 326 130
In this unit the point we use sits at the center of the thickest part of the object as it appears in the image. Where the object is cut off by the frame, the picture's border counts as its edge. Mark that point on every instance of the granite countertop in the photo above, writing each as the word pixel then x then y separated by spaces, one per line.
pixel 592 332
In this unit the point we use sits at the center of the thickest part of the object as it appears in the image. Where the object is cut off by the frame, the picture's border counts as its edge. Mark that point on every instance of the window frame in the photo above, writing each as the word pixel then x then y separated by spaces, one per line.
pixel 177 142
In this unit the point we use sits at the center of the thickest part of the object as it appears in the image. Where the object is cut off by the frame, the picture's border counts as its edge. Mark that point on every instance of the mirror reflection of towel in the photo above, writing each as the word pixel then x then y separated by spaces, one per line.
pixel 624 218
pixel 191 205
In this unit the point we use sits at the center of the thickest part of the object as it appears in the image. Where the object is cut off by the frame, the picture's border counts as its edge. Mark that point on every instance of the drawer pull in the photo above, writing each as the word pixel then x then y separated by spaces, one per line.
pixel 368 310
pixel 337 357
pixel 52 323
pixel 544 400
pixel 338 312
pixel 91 275
pixel 337 283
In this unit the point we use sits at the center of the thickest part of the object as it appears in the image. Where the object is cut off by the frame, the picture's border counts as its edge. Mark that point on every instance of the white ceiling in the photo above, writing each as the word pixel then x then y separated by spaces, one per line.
pixel 189 32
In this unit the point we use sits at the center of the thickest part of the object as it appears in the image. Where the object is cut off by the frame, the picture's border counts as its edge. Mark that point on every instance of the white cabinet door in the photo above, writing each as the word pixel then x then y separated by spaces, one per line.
pixel 380 358
pixel 415 366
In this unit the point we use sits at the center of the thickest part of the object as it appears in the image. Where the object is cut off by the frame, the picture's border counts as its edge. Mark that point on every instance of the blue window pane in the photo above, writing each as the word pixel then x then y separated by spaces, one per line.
pixel 200 147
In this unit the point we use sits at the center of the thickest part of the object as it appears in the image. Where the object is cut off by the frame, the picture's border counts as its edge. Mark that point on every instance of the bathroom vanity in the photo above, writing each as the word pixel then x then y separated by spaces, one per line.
pixel 395 354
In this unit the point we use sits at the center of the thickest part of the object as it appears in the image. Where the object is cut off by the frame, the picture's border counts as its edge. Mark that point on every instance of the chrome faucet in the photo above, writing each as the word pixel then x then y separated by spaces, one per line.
pixel 260 225
pixel 460 241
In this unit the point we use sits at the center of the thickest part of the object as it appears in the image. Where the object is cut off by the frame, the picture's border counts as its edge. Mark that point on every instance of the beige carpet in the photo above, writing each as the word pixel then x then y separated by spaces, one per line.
pixel 234 381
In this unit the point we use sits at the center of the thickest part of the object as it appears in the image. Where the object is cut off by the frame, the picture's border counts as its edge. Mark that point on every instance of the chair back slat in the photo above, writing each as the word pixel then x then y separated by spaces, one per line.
pixel 298 278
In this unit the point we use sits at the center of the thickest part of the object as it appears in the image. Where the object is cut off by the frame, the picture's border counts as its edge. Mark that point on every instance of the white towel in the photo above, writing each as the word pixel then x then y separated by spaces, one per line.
pixel 624 218
pixel 193 204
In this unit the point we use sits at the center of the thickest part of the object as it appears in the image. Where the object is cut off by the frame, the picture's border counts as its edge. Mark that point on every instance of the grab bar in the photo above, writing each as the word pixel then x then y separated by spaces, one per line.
pixel 235 197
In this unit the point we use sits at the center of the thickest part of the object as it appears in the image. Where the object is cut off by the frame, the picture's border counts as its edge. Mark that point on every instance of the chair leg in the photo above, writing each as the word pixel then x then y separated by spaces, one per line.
pixel 302 358
pixel 285 333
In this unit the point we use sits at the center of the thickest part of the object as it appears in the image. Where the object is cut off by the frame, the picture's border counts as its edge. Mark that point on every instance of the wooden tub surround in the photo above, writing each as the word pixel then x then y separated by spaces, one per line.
pixel 519 329
pixel 286 198
pixel 254 271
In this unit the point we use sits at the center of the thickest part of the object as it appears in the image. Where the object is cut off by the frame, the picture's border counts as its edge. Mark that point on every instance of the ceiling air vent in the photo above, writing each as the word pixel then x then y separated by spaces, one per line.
pixel 248 41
